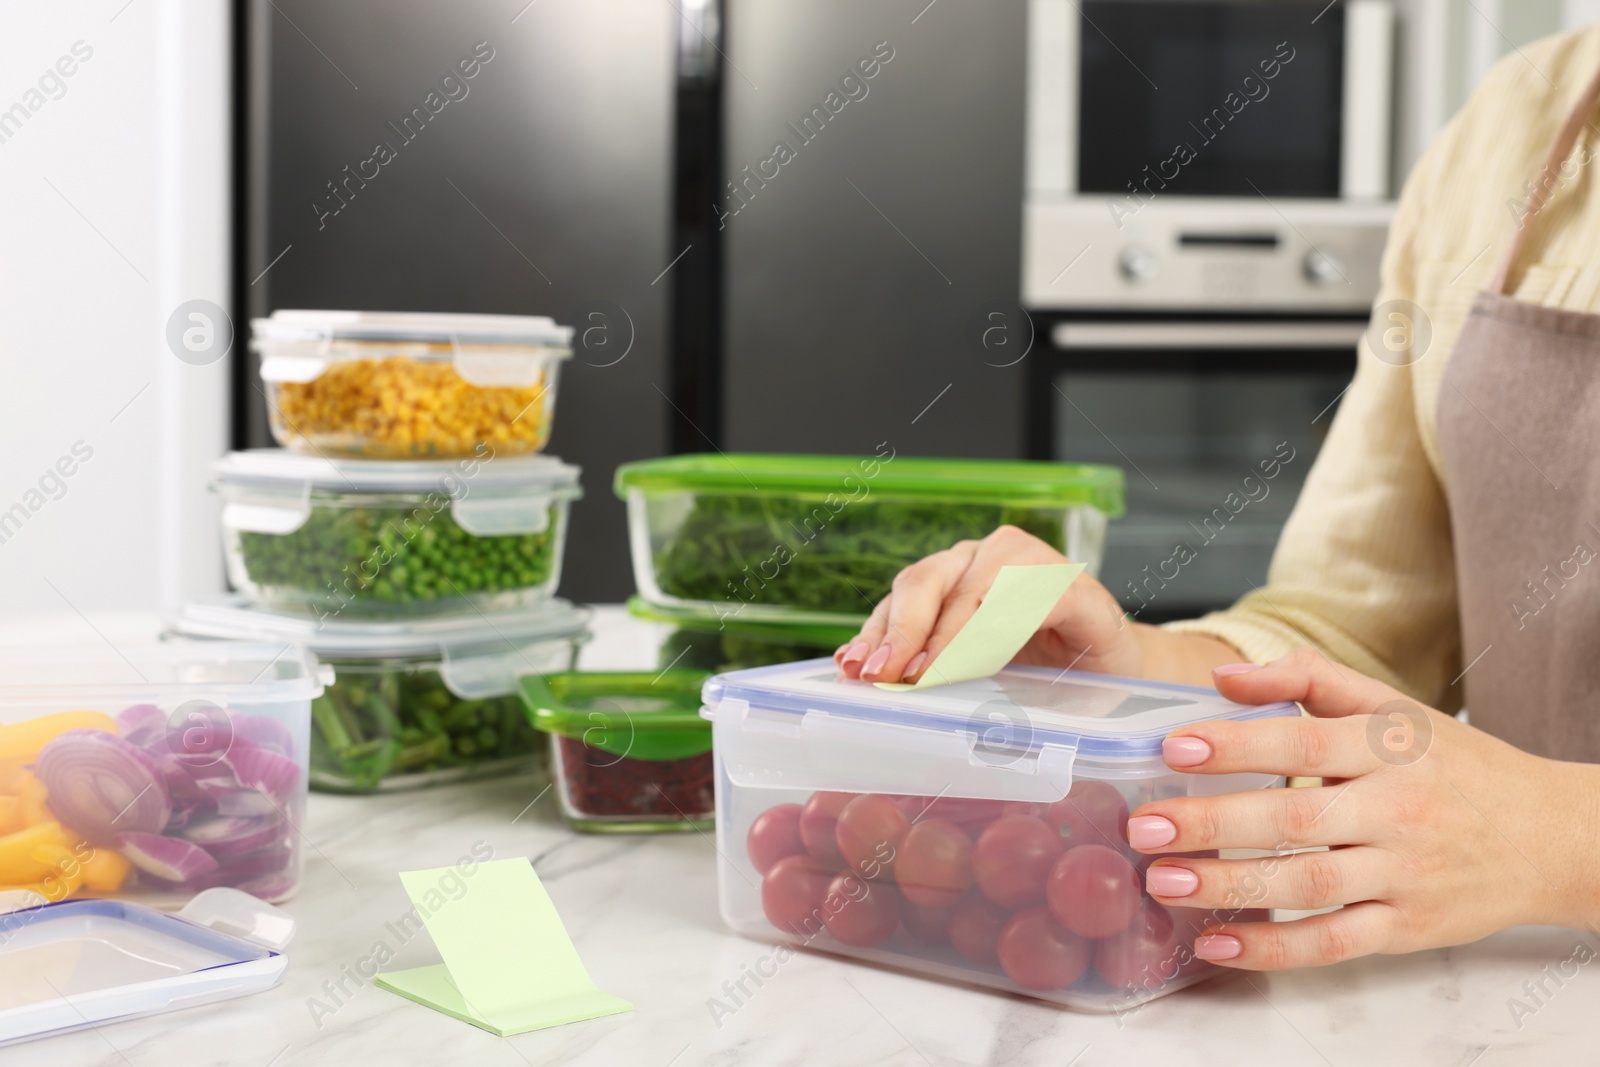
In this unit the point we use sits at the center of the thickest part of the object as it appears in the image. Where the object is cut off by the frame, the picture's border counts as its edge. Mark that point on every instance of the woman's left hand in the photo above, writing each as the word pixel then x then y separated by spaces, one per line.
pixel 1438 834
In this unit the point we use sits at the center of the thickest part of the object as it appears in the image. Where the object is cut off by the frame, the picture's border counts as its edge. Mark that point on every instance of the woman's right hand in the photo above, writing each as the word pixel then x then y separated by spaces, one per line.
pixel 933 598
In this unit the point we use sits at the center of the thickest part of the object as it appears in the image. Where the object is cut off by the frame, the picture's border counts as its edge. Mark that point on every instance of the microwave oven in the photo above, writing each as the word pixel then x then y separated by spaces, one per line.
pixel 1218 155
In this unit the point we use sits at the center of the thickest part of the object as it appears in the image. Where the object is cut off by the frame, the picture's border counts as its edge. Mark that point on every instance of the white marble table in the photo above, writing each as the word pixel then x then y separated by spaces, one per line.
pixel 642 911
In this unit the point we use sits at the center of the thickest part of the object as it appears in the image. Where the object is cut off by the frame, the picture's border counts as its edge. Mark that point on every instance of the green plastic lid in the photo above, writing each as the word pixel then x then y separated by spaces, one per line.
pixel 709 619
pixel 1006 482
pixel 636 714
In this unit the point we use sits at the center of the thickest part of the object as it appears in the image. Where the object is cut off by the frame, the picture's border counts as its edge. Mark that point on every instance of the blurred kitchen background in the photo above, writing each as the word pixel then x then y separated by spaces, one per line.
pixel 946 259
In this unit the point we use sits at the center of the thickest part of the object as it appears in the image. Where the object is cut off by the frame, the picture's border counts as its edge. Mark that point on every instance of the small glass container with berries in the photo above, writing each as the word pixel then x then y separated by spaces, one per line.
pixel 629 752
pixel 974 832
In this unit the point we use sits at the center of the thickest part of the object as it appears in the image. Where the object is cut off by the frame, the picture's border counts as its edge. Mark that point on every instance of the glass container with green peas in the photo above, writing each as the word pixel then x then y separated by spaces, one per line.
pixel 366 539
pixel 418 702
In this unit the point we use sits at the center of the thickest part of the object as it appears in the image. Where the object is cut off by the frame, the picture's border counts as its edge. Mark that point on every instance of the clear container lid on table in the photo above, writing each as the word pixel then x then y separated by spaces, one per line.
pixel 77 964
pixel 1015 735
pixel 491 351
pixel 269 490
pixel 479 654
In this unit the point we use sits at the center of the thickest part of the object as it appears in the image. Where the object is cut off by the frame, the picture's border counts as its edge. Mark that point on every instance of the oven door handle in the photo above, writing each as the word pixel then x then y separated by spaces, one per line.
pixel 1179 335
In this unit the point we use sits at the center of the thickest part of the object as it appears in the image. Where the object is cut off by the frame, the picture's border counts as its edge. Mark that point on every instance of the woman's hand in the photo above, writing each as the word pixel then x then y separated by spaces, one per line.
pixel 1439 834
pixel 934 597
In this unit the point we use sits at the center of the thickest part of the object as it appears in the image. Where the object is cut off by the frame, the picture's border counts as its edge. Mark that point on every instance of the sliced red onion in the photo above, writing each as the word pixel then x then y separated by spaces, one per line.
pixel 187 813
pixel 262 731
pixel 167 858
pixel 237 803
pixel 273 775
pixel 255 864
pixel 142 725
pixel 231 835
pixel 101 785
pixel 272 888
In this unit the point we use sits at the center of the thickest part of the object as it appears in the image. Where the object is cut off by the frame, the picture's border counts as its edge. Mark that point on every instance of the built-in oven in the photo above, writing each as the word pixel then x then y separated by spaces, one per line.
pixel 1207 154
pixel 1215 423
pixel 1206 206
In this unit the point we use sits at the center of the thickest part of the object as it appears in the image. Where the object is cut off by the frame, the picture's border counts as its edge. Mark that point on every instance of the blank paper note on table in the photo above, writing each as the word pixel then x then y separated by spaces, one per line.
pixel 509 966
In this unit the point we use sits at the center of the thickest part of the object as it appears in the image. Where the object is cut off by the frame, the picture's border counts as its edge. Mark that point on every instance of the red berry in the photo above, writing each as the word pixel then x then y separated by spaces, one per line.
pixel 1037 952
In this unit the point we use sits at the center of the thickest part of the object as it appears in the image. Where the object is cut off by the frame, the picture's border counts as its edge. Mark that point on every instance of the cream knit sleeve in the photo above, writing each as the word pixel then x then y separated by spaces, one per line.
pixel 1364 571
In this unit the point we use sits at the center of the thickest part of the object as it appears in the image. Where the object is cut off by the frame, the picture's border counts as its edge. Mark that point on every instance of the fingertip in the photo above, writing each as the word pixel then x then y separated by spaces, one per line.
pixel 914 667
pixel 1231 670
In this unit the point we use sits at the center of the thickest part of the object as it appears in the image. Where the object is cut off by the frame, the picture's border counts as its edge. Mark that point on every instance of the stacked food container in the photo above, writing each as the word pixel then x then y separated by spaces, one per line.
pixel 759 560
pixel 408 533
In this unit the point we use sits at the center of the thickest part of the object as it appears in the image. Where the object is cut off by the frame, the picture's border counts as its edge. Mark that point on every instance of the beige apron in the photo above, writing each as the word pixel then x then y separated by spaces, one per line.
pixel 1519 434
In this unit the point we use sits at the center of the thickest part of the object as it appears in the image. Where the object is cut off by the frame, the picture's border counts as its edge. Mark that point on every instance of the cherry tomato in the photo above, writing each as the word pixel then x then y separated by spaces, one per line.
pixel 1092 813
pixel 792 892
pixel 860 912
pixel 1093 891
pixel 975 926
pixel 934 865
pixel 1145 956
pixel 969 813
pixel 931 926
pixel 818 819
pixel 774 835
pixel 869 833
pixel 1037 952
pixel 1012 859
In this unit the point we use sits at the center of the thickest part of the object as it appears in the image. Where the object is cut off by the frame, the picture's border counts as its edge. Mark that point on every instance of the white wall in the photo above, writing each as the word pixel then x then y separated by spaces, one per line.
pixel 113 211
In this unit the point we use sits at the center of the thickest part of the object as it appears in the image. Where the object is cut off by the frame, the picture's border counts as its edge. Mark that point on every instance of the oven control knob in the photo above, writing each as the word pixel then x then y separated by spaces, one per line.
pixel 1322 269
pixel 1137 263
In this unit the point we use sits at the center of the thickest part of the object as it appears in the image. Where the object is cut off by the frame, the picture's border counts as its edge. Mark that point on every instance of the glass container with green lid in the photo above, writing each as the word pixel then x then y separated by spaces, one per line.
pixel 704 641
pixel 629 751
pixel 819 539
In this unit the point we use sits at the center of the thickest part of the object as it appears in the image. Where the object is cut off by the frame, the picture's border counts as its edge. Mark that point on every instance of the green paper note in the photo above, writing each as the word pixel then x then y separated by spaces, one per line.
pixel 509 966
pixel 1011 612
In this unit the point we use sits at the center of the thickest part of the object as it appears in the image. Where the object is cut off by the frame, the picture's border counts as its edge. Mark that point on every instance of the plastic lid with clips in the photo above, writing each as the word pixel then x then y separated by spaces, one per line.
pixel 1015 735
pixel 488 350
pixel 77 964
pixel 269 490
pixel 480 655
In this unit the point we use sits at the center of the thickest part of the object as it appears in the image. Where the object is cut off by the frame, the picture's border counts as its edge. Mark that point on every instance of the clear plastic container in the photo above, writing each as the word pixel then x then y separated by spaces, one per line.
pixel 367 538
pixel 155 772
pixel 629 752
pixel 702 641
pixel 974 832
pixel 417 702
pixel 398 385
pixel 819 539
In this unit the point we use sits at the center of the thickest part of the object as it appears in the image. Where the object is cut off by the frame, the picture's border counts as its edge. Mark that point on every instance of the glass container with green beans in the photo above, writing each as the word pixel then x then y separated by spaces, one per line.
pixel 819 539
pixel 365 538
pixel 415 703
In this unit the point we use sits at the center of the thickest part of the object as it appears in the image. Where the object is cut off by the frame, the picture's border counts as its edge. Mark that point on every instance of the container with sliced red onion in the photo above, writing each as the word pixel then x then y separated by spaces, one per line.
pixel 155 773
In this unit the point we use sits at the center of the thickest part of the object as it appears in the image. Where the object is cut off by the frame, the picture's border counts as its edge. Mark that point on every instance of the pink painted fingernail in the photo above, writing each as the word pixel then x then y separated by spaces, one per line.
pixel 876 661
pixel 1235 668
pixel 1185 751
pixel 915 665
pixel 1217 947
pixel 854 652
pixel 1171 881
pixel 1150 831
